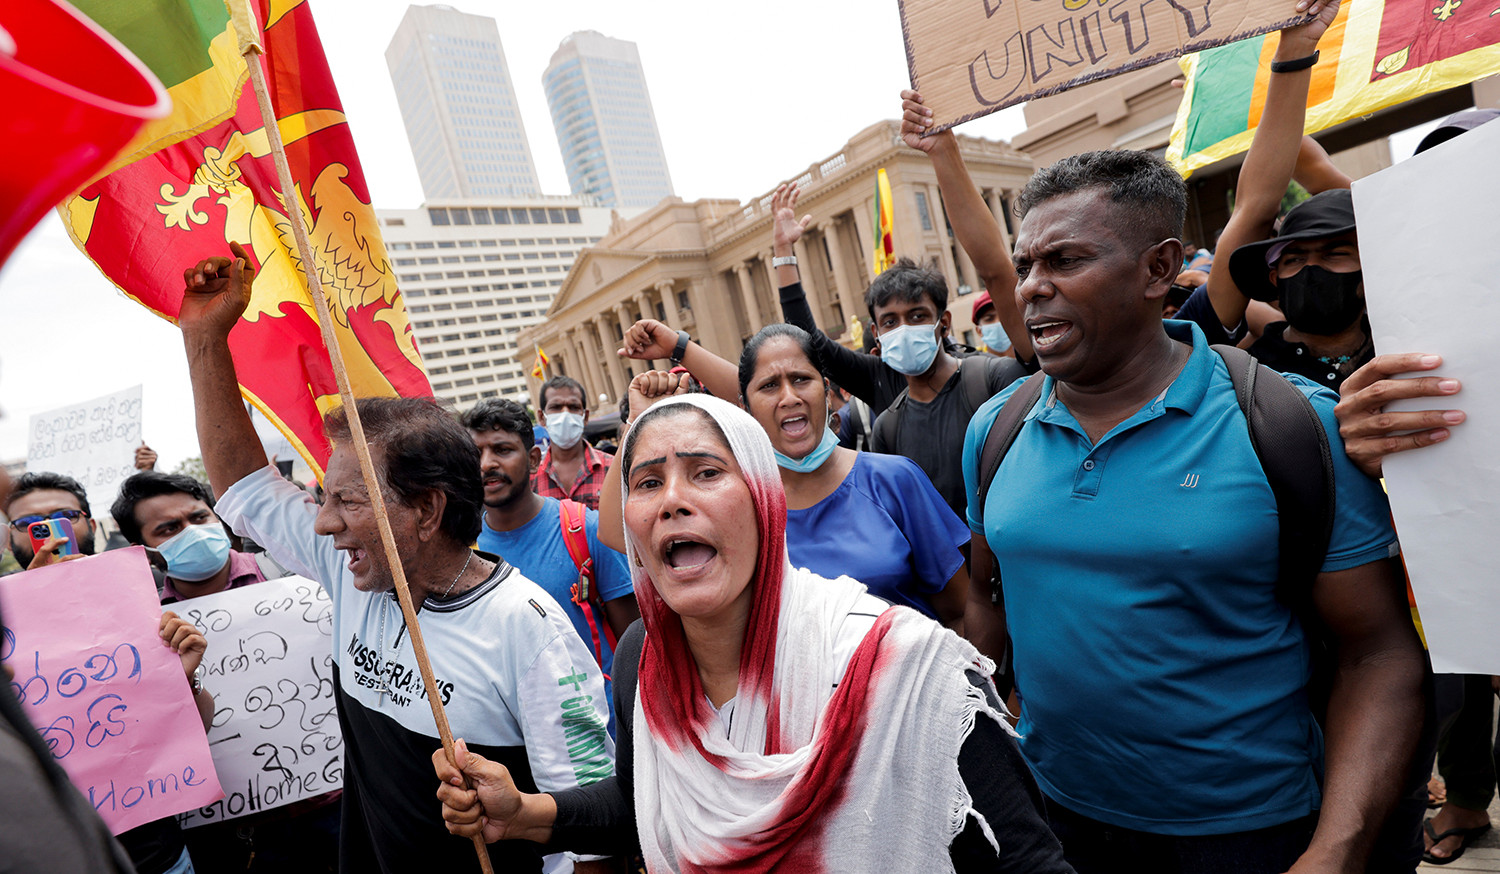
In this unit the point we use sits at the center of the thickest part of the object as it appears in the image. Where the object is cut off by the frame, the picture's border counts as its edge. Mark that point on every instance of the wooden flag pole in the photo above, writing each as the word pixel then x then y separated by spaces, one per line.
pixel 250 48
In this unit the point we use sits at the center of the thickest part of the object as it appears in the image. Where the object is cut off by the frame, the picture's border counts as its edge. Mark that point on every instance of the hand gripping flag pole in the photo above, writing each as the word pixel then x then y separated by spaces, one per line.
pixel 250 48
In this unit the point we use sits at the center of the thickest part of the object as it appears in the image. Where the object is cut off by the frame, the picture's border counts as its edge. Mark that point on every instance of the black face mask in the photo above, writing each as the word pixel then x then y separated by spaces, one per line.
pixel 1321 302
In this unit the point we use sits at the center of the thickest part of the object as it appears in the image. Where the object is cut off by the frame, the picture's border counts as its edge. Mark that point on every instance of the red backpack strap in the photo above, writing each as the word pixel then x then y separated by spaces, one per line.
pixel 575 535
pixel 585 593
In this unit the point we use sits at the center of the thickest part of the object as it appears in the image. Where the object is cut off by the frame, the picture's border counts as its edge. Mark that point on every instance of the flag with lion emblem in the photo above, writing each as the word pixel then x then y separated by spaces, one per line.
pixel 1376 54
pixel 212 180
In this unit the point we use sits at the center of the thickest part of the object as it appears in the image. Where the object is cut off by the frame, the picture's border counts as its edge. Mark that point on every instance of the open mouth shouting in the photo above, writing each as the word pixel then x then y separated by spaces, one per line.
pixel 796 427
pixel 359 559
pixel 1047 333
pixel 687 556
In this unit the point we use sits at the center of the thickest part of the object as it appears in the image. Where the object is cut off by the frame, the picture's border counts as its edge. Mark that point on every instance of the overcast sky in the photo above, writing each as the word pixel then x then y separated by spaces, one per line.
pixel 746 95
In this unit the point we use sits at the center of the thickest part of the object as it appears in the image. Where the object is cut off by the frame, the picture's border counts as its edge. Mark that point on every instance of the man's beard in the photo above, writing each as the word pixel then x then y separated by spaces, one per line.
pixel 515 492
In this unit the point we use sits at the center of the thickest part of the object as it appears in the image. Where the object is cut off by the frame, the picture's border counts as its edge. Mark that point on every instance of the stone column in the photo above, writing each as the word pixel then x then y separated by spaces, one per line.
pixel 843 274
pixel 717 331
pixel 669 303
pixel 967 272
pixel 945 242
pixel 579 368
pixel 619 376
pixel 819 290
pixel 636 367
pixel 996 202
pixel 747 292
pixel 865 244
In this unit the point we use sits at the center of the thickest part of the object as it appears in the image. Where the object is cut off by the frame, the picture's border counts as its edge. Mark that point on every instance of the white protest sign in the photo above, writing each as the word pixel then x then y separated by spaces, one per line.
pixel 1426 242
pixel 275 736
pixel 94 442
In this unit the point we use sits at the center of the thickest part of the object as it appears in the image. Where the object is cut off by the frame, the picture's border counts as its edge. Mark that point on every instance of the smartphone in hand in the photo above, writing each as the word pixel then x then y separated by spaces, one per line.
pixel 45 530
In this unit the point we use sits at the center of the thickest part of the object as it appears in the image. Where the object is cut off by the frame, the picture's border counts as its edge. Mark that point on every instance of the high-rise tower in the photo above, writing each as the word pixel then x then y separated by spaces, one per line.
pixel 604 121
pixel 460 110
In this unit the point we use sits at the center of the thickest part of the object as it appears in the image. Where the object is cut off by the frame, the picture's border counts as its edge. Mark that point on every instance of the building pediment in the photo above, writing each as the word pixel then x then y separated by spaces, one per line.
pixel 594 269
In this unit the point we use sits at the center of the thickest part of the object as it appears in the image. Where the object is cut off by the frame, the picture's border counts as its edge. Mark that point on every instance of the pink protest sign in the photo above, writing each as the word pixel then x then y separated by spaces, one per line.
pixel 107 695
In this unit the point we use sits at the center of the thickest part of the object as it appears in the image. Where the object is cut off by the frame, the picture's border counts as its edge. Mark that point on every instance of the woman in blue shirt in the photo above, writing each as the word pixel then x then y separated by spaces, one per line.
pixel 875 518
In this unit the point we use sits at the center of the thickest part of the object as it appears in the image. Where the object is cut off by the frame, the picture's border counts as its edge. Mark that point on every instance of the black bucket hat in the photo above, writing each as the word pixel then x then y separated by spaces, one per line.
pixel 1328 214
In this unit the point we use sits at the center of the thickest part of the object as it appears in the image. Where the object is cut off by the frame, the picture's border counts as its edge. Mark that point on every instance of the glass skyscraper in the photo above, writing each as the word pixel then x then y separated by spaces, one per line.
pixel 456 100
pixel 605 126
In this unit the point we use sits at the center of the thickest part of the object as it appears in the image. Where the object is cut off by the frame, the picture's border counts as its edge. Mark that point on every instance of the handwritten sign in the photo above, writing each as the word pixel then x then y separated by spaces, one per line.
pixel 275 735
pixel 972 57
pixel 94 442
pixel 106 694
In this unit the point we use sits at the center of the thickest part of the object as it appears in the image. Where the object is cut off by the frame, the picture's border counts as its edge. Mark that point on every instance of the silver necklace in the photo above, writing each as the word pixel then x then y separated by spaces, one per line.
pixel 385 685
pixel 460 573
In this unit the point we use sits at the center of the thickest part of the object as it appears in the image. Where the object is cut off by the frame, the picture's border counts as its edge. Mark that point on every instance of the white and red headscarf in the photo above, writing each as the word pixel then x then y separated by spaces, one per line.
pixel 842 753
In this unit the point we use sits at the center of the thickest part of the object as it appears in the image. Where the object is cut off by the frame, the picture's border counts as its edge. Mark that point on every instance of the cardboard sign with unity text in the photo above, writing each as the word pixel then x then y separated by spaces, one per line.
pixel 972 57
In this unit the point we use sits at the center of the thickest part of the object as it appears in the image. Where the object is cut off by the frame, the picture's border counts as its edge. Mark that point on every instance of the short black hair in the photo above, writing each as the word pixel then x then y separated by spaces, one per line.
pixel 500 414
pixel 906 281
pixel 46 481
pixel 564 382
pixel 750 358
pixel 151 484
pixel 1151 194
pixel 425 449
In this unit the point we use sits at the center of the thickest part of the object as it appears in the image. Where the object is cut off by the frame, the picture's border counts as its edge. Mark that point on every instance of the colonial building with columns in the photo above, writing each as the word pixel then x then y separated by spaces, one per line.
pixel 705 266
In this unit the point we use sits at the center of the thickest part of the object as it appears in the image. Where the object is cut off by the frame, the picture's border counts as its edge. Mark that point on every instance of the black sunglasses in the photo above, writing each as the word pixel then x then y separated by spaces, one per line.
pixel 24 522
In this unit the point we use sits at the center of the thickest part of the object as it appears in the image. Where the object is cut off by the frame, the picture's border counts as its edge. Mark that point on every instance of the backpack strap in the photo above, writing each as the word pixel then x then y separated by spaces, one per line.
pixel 1289 439
pixel 1002 434
pixel 975 381
pixel 888 425
pixel 585 593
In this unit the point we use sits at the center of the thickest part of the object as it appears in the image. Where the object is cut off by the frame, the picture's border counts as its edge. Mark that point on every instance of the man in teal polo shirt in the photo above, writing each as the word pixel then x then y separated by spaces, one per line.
pixel 1162 682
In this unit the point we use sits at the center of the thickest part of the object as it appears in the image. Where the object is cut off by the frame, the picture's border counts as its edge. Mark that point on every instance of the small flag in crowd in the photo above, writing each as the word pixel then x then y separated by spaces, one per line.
pixel 885 248
pixel 539 365
pixel 1377 53
pixel 209 178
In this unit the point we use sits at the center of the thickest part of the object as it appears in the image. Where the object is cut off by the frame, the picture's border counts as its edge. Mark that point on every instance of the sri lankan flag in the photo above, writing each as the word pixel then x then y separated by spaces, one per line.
pixel 885 248
pixel 209 179
pixel 539 364
pixel 1376 54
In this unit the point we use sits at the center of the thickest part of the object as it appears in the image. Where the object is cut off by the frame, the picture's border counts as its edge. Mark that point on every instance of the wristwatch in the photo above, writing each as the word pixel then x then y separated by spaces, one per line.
pixel 682 343
pixel 196 681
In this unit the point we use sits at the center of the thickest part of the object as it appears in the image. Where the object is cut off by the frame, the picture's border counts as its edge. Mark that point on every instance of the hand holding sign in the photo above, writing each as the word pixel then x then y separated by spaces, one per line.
pixel 94 676
pixel 972 57
pixel 275 733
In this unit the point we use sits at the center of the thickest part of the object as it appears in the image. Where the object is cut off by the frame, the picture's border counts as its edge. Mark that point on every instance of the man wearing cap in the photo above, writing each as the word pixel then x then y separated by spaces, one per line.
pixel 1311 268
pixel 992 336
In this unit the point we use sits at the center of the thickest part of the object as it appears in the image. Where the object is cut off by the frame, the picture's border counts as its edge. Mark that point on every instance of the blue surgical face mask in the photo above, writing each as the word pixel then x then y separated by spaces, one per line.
pixel 195 553
pixel 909 349
pixel 995 338
pixel 814 459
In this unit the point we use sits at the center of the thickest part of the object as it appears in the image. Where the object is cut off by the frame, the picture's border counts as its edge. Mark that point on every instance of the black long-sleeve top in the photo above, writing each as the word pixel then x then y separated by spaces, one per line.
pixel 600 818
pixel 864 376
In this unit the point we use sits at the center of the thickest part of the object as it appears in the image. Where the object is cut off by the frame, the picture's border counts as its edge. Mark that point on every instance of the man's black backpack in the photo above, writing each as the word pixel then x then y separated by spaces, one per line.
pixel 973 385
pixel 1292 446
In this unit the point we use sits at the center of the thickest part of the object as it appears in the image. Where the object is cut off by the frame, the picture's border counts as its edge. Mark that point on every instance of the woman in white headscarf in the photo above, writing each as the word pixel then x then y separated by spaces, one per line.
pixel 777 721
